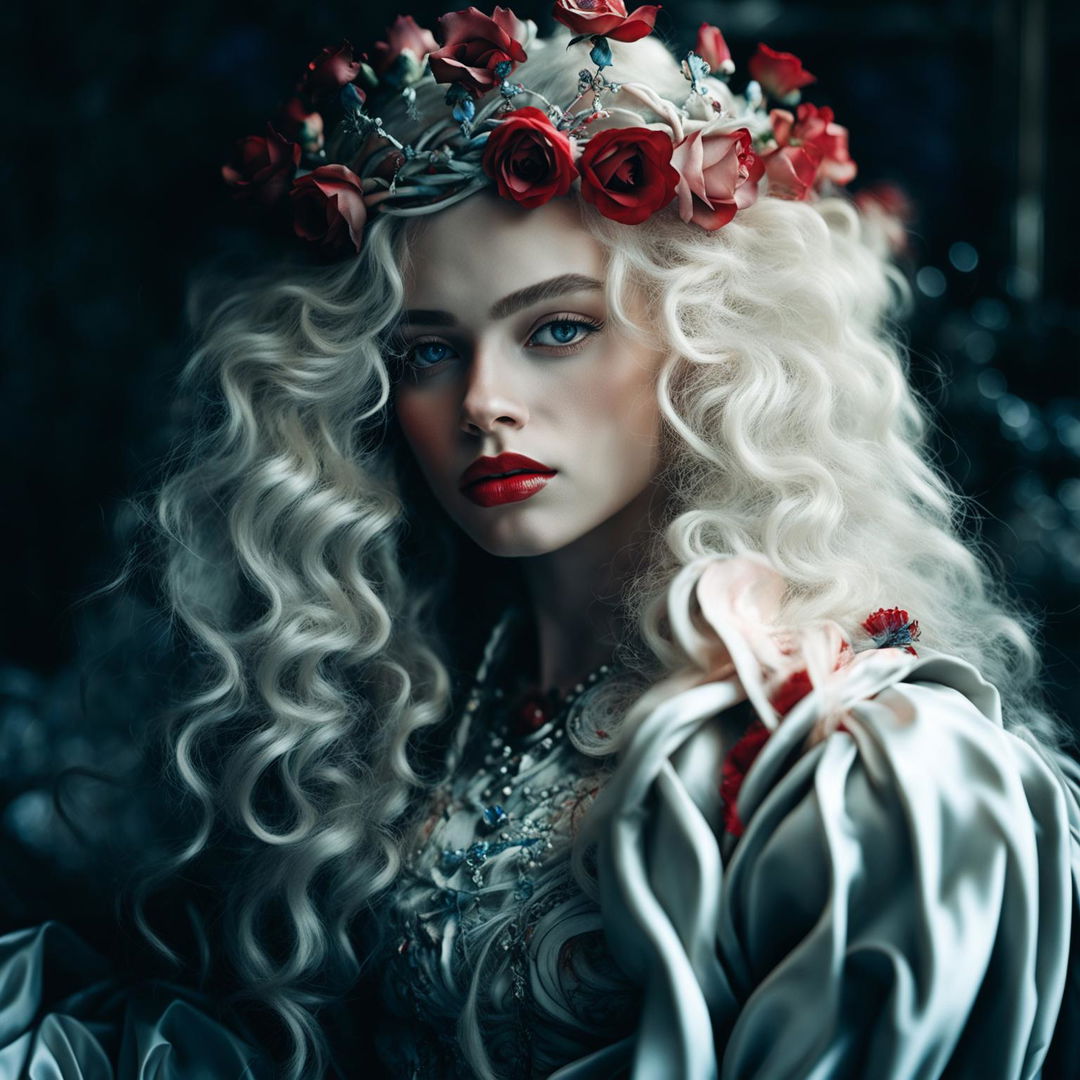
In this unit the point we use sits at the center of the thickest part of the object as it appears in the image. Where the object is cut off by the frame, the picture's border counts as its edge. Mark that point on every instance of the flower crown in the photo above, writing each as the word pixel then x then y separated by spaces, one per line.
pixel 330 159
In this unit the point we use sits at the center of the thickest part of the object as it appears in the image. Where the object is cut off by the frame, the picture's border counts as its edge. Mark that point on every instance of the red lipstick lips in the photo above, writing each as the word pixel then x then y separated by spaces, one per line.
pixel 492 481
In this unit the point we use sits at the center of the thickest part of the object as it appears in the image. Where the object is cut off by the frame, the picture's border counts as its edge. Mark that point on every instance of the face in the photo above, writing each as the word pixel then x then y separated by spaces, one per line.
pixel 533 419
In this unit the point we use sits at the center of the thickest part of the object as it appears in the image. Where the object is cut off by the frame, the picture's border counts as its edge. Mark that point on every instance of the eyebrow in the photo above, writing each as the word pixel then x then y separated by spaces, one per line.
pixel 516 301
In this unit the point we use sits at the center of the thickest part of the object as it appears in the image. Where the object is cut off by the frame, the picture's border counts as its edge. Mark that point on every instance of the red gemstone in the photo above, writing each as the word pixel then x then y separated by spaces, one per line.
pixel 532 714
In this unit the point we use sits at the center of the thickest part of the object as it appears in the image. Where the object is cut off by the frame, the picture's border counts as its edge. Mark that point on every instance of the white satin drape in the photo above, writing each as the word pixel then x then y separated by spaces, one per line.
pixel 900 905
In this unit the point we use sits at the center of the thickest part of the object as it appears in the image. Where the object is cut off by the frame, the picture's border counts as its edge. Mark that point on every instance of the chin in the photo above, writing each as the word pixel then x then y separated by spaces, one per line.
pixel 516 540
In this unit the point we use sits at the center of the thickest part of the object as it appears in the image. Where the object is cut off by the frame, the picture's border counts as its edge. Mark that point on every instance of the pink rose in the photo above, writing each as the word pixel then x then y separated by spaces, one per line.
pixel 404 36
pixel 605 18
pixel 718 175
pixel 474 44
pixel 626 173
pixel 815 127
pixel 712 48
pixel 328 209
pixel 792 171
pixel 530 161
pixel 332 69
pixel 262 167
pixel 781 74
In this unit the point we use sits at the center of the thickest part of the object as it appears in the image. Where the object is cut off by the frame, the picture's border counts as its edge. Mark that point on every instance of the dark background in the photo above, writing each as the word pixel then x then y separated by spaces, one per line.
pixel 119 116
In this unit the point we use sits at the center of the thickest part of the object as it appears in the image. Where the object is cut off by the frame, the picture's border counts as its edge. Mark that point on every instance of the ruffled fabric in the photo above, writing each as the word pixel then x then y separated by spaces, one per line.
pixel 902 900
pixel 63 1018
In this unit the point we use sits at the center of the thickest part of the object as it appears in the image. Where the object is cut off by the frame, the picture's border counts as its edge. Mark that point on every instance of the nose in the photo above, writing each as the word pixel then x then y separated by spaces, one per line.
pixel 491 399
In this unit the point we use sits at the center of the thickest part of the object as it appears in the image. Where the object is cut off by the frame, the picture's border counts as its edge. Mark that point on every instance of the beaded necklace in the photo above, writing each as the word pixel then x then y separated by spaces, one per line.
pixel 519 728
pixel 514 783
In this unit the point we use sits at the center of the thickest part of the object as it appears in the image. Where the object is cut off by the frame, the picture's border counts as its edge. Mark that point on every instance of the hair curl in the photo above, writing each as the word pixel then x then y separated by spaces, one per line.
pixel 791 431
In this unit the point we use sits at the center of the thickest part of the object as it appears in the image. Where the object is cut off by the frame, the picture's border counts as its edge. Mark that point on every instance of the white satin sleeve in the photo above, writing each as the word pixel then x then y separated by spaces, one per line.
pixel 63 1016
pixel 899 906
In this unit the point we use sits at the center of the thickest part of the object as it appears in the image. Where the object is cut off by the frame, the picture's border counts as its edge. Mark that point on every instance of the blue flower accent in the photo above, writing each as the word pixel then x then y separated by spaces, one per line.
pixel 695 69
pixel 503 69
pixel 462 103
pixel 600 54
pixel 495 817
pixel 464 111
pixel 351 97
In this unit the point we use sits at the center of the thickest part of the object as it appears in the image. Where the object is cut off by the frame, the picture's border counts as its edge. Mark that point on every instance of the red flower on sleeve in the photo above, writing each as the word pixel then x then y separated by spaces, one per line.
pixel 733 772
pixel 892 628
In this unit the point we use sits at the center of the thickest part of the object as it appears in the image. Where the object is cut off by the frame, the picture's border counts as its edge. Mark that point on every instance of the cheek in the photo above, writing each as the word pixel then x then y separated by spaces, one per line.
pixel 616 421
pixel 628 402
pixel 423 423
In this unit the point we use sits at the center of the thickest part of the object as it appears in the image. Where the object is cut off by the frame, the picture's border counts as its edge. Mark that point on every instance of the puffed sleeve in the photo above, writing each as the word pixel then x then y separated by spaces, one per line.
pixel 63 1017
pixel 899 903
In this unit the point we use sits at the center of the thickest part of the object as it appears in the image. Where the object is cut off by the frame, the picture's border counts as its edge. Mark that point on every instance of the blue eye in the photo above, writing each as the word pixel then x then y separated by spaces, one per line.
pixel 428 353
pixel 563 332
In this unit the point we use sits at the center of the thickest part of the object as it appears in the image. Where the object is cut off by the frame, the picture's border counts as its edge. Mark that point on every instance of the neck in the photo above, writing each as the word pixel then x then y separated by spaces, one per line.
pixel 576 594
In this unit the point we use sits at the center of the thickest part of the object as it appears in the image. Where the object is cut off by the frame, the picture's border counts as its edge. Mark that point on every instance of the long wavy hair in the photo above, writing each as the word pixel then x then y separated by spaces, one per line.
pixel 299 545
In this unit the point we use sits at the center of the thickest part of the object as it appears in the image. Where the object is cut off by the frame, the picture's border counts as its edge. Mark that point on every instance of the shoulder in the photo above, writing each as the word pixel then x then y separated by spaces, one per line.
pixel 920 860
pixel 902 860
pixel 919 732
pixel 918 726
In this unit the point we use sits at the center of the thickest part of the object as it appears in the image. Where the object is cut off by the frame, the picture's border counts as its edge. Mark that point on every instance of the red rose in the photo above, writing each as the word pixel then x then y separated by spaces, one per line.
pixel 475 44
pixel 792 171
pixel 815 127
pixel 332 69
pixel 403 36
pixel 626 173
pixel 329 209
pixel 529 160
pixel 262 167
pixel 605 18
pixel 718 175
pixel 712 48
pixel 781 74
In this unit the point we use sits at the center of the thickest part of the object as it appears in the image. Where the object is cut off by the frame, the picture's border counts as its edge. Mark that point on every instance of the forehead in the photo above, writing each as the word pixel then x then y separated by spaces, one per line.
pixel 463 258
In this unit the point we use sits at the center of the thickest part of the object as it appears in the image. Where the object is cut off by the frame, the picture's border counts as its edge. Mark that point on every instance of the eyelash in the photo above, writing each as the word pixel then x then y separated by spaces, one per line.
pixel 592 326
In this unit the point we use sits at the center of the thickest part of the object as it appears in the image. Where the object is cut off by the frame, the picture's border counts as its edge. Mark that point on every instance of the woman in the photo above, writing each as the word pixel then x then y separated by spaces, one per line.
pixel 605 376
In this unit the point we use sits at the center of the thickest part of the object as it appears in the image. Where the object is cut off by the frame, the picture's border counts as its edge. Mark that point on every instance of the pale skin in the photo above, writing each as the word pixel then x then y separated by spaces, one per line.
pixel 509 348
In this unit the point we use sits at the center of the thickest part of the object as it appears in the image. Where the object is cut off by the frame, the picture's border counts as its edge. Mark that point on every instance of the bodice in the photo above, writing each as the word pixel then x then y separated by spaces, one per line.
pixel 490 947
